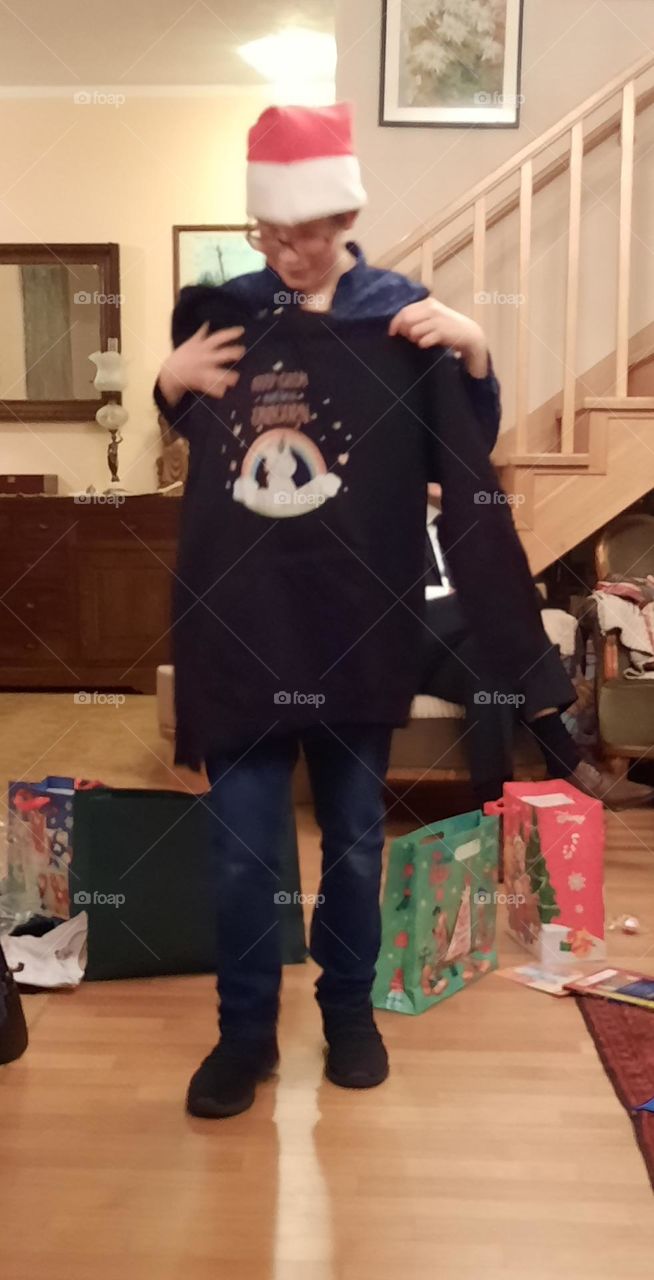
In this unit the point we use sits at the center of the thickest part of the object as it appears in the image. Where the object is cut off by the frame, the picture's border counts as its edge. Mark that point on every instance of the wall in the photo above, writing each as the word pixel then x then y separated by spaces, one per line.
pixel 125 174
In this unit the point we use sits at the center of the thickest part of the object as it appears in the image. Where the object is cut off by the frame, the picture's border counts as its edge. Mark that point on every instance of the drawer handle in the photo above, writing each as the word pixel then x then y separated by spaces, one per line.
pixel 42 525
pixel 30 605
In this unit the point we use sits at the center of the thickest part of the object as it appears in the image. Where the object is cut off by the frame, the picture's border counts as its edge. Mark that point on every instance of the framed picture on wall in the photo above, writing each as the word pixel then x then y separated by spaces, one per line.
pixel 212 255
pixel 451 63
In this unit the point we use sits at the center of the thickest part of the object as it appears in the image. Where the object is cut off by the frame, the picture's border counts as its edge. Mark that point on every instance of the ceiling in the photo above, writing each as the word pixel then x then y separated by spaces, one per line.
pixel 145 42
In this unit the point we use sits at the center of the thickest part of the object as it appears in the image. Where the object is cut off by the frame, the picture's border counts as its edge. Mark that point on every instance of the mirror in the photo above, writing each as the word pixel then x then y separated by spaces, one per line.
pixel 58 304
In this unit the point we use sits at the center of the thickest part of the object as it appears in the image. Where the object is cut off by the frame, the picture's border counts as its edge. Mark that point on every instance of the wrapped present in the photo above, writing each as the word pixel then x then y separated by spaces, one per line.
pixel 438 914
pixel 40 845
pixel 553 841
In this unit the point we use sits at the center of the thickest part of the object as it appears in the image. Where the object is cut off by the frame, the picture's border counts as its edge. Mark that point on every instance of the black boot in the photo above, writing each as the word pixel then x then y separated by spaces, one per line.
pixel 356 1057
pixel 225 1083
pixel 13 1031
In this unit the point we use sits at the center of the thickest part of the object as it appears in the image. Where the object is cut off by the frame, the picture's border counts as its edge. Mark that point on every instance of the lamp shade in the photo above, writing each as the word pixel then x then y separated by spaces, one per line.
pixel 111 371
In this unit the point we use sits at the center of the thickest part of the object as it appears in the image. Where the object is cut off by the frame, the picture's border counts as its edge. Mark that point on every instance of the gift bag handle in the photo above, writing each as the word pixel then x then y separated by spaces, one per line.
pixel 28 806
pixel 494 808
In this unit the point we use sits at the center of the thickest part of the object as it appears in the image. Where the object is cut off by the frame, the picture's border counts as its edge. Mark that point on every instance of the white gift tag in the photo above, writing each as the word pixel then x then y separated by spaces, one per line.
pixel 547 802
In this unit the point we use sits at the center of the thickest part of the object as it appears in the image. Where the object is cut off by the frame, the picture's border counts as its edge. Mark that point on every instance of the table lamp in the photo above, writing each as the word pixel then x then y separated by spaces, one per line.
pixel 110 379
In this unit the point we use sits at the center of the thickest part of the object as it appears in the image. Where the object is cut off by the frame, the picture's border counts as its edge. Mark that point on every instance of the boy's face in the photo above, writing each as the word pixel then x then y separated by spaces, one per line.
pixel 304 254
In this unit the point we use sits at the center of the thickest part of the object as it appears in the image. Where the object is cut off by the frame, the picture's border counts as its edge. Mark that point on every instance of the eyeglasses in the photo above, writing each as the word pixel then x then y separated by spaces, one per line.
pixel 267 236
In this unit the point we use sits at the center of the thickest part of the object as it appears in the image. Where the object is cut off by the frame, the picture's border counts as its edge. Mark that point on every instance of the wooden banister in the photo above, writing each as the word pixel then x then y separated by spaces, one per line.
pixel 556 169
pixel 572 299
pixel 412 243
pixel 522 379
pixel 624 255
pixel 479 256
pixel 644 357
pixel 427 264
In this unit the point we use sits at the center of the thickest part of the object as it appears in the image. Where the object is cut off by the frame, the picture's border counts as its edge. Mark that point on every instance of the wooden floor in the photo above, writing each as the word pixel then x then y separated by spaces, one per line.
pixel 496 1151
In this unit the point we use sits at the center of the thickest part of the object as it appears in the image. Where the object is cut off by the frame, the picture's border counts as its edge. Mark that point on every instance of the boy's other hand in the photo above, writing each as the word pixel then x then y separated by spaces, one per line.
pixel 430 324
pixel 199 364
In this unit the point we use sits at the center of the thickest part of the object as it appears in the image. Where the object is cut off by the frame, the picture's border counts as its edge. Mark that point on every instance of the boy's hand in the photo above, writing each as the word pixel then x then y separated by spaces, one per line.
pixel 199 364
pixel 430 324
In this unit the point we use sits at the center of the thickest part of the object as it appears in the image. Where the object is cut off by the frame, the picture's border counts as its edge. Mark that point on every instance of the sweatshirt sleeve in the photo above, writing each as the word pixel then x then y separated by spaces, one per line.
pixel 484 396
pixel 187 318
pixel 476 531
pixel 177 415
pixel 483 393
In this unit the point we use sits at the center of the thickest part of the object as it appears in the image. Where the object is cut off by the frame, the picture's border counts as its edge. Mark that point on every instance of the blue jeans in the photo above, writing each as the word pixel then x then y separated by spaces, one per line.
pixel 249 801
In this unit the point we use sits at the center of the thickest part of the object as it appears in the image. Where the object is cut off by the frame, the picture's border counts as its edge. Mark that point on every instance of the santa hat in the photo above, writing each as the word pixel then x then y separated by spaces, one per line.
pixel 301 165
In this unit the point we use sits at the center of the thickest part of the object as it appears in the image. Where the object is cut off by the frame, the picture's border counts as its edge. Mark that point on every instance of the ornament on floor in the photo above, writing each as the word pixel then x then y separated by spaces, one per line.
pixel 628 924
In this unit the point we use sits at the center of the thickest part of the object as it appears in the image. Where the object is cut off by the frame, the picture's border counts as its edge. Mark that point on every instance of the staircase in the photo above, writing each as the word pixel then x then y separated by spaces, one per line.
pixel 580 459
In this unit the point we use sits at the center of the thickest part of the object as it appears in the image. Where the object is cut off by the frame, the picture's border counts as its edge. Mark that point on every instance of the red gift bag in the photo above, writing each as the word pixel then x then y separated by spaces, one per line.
pixel 553 841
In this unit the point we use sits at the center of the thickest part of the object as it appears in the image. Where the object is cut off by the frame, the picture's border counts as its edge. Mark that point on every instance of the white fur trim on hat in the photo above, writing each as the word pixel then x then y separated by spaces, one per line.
pixel 304 190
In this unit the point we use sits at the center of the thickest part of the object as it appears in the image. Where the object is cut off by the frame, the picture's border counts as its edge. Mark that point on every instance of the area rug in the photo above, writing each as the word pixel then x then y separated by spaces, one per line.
pixel 624 1039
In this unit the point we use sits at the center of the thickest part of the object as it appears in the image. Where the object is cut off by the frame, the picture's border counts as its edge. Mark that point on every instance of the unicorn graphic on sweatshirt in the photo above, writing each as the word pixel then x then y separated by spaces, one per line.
pixel 268 483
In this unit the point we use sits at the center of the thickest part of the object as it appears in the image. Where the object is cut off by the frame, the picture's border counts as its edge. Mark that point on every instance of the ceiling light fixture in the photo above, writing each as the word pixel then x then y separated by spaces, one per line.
pixel 294 55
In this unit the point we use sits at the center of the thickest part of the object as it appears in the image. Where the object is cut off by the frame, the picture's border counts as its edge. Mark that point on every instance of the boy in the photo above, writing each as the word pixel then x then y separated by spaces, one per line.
pixel 328 605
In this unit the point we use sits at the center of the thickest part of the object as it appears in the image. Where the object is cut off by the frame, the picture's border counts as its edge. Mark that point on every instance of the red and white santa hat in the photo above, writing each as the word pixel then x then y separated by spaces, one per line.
pixel 301 165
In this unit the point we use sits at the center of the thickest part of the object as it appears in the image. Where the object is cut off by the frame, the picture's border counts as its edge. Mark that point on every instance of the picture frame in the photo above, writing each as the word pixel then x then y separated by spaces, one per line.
pixel 439 70
pixel 212 254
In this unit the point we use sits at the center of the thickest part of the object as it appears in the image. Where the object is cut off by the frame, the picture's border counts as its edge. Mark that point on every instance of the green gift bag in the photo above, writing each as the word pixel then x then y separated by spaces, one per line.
pixel 143 874
pixel 438 913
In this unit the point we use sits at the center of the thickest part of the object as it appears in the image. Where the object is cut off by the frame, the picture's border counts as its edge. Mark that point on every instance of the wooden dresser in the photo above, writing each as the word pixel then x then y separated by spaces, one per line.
pixel 85 590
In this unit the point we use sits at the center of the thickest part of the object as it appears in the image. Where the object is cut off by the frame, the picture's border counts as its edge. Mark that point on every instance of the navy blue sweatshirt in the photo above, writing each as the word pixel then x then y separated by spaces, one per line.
pixel 300 581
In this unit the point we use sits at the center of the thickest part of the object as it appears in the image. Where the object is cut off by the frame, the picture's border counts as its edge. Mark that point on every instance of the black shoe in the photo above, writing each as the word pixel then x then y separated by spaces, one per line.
pixel 225 1083
pixel 356 1057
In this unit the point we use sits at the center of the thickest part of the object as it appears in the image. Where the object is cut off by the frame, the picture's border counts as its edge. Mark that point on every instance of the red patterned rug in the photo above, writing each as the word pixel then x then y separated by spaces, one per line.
pixel 624 1038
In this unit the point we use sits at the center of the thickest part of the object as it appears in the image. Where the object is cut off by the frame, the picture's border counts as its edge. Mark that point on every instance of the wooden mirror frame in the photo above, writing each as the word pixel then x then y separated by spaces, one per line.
pixel 107 258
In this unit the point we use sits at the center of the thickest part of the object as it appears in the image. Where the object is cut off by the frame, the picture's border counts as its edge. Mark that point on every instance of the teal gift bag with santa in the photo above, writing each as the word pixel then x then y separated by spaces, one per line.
pixel 438 913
